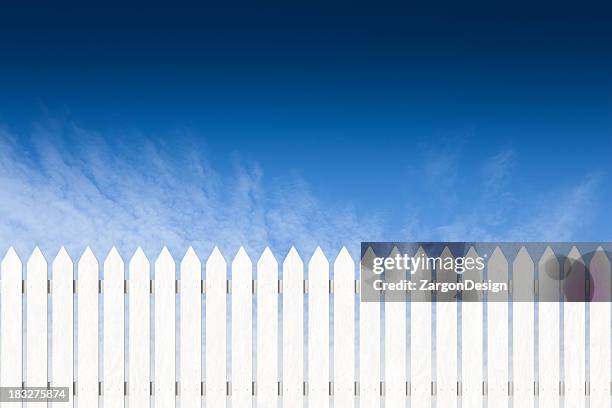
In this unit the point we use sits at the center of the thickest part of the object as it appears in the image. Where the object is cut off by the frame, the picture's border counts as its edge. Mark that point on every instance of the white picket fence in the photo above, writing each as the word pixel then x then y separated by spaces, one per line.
pixel 241 342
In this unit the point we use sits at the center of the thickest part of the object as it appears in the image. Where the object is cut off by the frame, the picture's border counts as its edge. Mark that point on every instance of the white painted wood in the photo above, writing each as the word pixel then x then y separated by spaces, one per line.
pixel 191 331
pixel 62 312
pixel 242 330
pixel 523 340
pixel 549 373
pixel 165 329
pixel 420 341
pixel 87 336
pixel 293 330
pixel 574 331
pixel 114 330
pixel 318 330
pixel 600 336
pixel 497 332
pixel 216 336
pixel 36 339
pixel 446 338
pixel 139 304
pixel 10 322
pixel 472 350
pixel 267 330
pixel 369 347
pixel 344 330
pixel 395 340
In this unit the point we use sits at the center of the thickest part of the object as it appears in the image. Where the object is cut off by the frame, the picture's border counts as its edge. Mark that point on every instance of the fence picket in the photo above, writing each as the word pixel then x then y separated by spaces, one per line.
pixel 472 351
pixel 344 330
pixel 497 332
pixel 114 329
pixel 216 336
pixel 10 323
pixel 522 332
pixel 420 341
pixel 318 330
pixel 267 330
pixel 165 329
pixel 293 330
pixel 395 340
pixel 574 330
pixel 369 347
pixel 87 336
pixel 601 337
pixel 242 328
pixel 36 323
pixel 549 374
pixel 62 312
pixel 191 330
pixel 139 363
pixel 446 338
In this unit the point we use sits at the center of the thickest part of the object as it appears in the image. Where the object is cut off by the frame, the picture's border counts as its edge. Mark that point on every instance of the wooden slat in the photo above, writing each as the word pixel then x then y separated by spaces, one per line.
pixel 574 356
pixel 395 340
pixel 216 336
pixel 549 374
pixel 10 322
pixel 497 332
pixel 472 350
pixel 369 347
pixel 165 338
pixel 114 330
pixel 242 328
pixel 293 330
pixel 139 303
pixel 87 337
pixel 267 330
pixel 191 331
pixel 420 341
pixel 523 340
pixel 62 312
pixel 36 340
pixel 446 338
pixel 318 330
pixel 600 335
pixel 344 330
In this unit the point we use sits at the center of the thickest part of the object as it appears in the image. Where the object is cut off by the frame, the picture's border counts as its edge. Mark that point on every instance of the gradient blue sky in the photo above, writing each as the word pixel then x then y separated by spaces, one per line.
pixel 303 124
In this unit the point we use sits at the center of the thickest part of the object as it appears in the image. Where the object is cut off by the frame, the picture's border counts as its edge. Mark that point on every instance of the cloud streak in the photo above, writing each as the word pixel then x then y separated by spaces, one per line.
pixel 65 185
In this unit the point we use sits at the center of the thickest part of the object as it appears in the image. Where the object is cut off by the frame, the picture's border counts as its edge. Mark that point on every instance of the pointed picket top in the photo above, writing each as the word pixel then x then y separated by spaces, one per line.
pixel 318 258
pixel 191 261
pixel 498 265
pixel 139 262
pixel 522 258
pixel 446 252
pixel 62 256
pixel 573 262
pixel 11 262
pixel 216 259
pixel 293 259
pixel 88 257
pixel 37 257
pixel 241 259
pixel 164 259
pixel 113 260
pixel 318 265
pixel 62 264
pixel 599 269
pixel 267 257
pixel 368 256
pixel 344 264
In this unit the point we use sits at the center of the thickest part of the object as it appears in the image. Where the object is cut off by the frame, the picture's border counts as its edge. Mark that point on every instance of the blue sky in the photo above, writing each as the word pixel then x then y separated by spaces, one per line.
pixel 303 125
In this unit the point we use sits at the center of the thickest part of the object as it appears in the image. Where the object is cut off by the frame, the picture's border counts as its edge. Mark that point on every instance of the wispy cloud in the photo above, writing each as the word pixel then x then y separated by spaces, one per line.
pixel 65 185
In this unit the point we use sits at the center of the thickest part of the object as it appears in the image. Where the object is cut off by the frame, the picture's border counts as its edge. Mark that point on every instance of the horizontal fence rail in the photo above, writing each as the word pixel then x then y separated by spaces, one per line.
pixel 245 333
